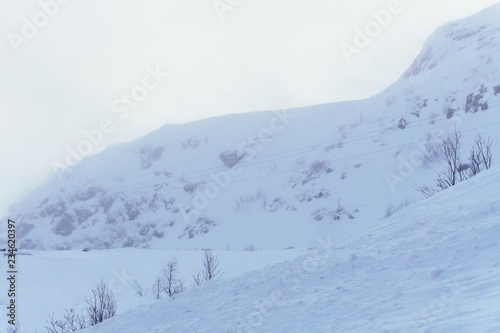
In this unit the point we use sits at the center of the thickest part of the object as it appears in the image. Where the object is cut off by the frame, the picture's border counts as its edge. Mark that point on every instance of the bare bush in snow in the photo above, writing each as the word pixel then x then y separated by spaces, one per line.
pixel 210 269
pixel 390 209
pixel 71 322
pixel 157 286
pixel 455 168
pixel 101 305
pixel 480 157
pixel 139 290
pixel 197 279
pixel 250 248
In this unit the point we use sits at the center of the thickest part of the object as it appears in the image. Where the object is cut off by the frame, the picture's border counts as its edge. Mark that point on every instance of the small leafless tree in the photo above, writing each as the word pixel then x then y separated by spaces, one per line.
pixel 455 169
pixel 211 268
pixel 101 305
pixel 474 162
pixel 171 285
pixel 139 290
pixel 156 288
pixel 483 147
pixel 480 156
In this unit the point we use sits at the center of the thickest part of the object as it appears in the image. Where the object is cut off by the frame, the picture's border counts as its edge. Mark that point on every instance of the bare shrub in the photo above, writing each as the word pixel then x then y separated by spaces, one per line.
pixel 319 166
pixel 101 305
pixel 480 158
pixel 474 162
pixel 71 322
pixel 390 209
pixel 75 321
pixel 250 248
pixel 139 290
pixel 197 279
pixel 315 170
pixel 247 201
pixel 157 286
pixel 483 148
pixel 210 270
pixel 425 190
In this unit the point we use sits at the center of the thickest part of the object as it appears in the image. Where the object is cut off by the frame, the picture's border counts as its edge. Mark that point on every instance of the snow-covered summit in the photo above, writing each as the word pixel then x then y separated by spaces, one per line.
pixel 450 49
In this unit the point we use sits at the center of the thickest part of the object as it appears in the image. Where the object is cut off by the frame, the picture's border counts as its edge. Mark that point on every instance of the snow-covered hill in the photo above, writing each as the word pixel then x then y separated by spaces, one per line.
pixel 432 267
pixel 277 179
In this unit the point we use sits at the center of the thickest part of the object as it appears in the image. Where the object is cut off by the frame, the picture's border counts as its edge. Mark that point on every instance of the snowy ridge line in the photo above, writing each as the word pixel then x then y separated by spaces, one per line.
pixel 257 160
pixel 32 209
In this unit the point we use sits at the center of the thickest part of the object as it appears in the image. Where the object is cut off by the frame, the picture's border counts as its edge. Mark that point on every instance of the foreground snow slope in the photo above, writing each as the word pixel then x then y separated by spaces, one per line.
pixel 51 281
pixel 278 180
pixel 431 267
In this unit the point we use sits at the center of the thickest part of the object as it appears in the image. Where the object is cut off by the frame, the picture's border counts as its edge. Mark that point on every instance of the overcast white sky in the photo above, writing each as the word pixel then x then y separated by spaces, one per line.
pixel 263 55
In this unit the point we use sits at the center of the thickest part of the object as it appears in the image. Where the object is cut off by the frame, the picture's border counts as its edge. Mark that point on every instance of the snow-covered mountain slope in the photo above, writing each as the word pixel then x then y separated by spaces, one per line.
pixel 431 267
pixel 278 179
